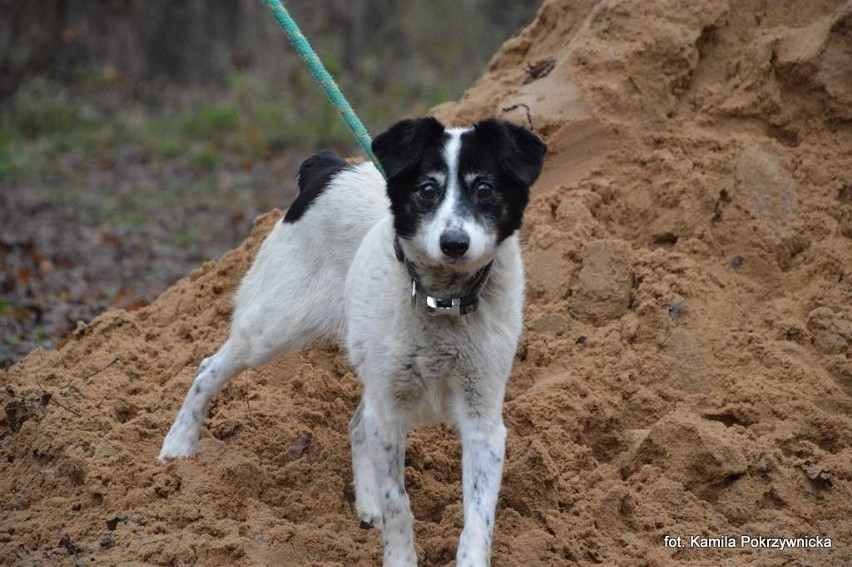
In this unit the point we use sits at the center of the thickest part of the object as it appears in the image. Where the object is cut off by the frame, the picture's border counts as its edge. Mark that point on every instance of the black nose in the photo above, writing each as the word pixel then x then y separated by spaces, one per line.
pixel 454 242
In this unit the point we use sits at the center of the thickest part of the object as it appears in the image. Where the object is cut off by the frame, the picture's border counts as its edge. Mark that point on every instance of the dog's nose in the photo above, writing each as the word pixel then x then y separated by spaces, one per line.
pixel 454 242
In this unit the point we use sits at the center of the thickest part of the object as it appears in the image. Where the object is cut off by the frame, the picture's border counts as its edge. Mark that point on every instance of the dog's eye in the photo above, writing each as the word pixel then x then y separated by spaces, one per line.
pixel 484 189
pixel 428 190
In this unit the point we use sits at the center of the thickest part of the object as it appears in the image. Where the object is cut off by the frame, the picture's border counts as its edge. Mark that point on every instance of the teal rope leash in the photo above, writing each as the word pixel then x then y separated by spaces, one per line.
pixel 317 69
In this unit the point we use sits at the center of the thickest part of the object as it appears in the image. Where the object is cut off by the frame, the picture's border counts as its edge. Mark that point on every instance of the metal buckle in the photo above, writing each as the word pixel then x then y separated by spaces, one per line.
pixel 437 310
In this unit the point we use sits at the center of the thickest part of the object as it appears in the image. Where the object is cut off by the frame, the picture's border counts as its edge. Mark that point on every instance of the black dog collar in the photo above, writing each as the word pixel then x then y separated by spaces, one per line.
pixel 455 306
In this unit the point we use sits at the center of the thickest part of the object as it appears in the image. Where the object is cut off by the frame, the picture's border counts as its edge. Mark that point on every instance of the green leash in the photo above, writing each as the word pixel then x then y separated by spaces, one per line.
pixel 317 69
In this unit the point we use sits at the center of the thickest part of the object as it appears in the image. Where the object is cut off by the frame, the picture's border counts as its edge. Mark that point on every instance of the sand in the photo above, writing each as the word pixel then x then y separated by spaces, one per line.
pixel 686 367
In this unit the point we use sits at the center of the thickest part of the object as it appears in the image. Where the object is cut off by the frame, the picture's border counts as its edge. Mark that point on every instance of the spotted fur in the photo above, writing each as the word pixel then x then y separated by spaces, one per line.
pixel 455 199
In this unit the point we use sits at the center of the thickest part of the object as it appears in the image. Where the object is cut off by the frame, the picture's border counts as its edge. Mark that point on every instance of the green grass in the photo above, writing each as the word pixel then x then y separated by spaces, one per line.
pixel 249 122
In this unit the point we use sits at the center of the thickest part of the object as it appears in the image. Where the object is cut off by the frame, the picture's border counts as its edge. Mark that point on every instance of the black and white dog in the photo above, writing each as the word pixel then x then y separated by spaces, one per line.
pixel 422 277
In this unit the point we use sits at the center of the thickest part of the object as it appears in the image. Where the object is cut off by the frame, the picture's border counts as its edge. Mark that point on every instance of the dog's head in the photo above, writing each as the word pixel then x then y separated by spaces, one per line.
pixel 456 194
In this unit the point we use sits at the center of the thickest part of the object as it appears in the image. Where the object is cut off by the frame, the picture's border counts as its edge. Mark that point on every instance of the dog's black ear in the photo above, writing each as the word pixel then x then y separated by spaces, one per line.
pixel 519 151
pixel 402 146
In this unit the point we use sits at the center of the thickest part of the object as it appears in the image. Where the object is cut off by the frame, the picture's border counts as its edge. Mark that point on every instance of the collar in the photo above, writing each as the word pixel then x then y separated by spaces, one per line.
pixel 454 306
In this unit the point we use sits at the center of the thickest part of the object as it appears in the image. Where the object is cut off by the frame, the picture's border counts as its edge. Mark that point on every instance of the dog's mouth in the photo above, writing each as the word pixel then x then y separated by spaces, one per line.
pixel 459 266
pixel 444 276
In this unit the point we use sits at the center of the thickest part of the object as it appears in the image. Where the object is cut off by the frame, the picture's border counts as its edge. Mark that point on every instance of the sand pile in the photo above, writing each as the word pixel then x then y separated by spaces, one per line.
pixel 686 368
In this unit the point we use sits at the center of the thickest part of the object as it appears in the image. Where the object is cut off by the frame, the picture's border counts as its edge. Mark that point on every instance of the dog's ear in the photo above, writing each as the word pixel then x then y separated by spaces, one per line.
pixel 519 151
pixel 402 146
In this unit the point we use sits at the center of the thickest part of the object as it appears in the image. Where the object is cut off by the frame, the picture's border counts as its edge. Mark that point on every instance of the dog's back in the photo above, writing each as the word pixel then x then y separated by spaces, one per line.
pixel 307 255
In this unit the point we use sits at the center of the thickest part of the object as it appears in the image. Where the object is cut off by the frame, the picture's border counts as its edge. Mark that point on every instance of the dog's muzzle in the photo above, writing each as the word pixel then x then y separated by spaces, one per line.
pixel 454 306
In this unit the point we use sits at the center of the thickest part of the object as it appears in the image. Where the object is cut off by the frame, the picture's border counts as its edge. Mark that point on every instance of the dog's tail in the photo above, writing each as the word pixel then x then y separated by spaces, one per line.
pixel 315 174
pixel 318 169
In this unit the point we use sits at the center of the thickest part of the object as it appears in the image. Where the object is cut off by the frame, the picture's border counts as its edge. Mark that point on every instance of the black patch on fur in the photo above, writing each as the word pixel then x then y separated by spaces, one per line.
pixel 509 156
pixel 512 157
pixel 315 174
pixel 405 151
pixel 519 152
pixel 401 148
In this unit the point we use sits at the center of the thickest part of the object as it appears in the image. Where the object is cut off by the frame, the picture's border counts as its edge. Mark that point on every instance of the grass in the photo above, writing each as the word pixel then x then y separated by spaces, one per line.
pixel 106 160
pixel 250 121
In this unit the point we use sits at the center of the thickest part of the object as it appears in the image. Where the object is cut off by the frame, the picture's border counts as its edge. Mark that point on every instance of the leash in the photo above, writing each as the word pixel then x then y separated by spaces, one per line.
pixel 324 78
pixel 434 306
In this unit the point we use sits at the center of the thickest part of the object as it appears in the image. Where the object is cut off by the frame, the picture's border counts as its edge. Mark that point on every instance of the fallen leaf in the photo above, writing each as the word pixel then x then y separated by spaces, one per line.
pixel 300 447
pixel 818 475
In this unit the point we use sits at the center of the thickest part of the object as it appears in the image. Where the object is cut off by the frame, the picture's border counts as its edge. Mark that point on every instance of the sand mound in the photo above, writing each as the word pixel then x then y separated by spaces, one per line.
pixel 686 368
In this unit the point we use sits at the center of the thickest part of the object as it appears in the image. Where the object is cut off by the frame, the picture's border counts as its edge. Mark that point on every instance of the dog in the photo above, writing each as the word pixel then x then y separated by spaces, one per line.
pixel 420 275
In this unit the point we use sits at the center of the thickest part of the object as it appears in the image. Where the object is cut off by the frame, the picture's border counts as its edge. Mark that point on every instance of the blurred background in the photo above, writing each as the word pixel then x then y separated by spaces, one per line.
pixel 140 138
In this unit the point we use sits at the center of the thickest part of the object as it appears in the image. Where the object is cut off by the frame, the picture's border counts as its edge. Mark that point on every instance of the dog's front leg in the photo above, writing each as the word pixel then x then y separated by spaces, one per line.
pixel 385 445
pixel 483 446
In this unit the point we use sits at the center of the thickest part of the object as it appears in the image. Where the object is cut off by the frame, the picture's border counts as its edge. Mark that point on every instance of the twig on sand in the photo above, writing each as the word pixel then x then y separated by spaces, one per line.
pixel 248 406
pixel 101 369
pixel 517 106
pixel 50 397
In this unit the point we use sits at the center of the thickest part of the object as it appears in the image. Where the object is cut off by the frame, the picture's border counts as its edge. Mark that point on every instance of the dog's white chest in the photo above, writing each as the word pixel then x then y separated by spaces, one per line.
pixel 433 373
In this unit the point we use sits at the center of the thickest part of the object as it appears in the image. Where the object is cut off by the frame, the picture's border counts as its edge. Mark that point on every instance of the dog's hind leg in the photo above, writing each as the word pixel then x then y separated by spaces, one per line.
pixel 212 374
pixel 248 346
pixel 272 313
pixel 257 334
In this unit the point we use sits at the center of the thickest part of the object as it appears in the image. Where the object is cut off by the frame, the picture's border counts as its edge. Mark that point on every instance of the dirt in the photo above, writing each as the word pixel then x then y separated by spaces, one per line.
pixel 686 367
pixel 81 236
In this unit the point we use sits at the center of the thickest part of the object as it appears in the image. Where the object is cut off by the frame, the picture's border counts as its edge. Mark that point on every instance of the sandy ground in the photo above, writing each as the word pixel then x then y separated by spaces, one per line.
pixel 686 367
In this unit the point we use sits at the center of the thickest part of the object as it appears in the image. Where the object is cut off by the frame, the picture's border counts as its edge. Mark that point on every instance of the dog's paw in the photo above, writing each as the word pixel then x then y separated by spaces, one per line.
pixel 367 508
pixel 172 451
pixel 472 559
pixel 178 444
pixel 473 551
pixel 366 505
pixel 369 518
pixel 169 454
pixel 400 557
